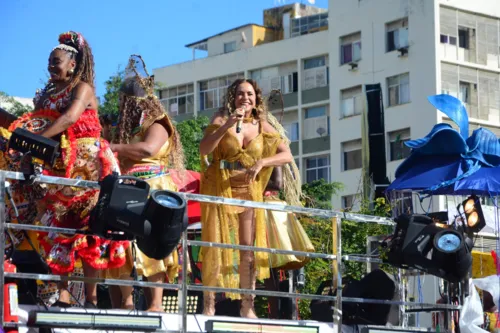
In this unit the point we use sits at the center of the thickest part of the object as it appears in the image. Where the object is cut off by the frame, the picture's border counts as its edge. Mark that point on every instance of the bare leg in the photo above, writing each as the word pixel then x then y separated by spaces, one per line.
pixel 116 296
pixel 156 293
pixel 64 295
pixel 90 288
pixel 127 300
pixel 247 262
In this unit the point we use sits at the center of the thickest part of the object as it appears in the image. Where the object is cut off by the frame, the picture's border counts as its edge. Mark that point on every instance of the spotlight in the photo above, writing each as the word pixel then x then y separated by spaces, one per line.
pixel 194 302
pixel 473 214
pixel 420 243
pixel 124 211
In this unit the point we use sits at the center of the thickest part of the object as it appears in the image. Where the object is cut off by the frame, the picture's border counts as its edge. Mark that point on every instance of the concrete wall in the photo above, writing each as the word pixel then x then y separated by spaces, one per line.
pixel 376 65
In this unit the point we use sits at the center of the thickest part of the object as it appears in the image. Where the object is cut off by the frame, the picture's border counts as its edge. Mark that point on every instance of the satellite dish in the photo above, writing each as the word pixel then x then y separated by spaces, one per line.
pixel 243 37
pixel 320 131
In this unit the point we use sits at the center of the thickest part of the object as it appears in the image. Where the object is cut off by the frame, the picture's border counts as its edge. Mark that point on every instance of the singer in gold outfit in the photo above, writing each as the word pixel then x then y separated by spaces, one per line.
pixel 146 143
pixel 240 168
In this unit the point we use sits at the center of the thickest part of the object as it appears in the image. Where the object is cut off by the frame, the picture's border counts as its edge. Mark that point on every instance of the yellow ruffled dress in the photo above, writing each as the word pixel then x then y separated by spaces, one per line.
pixel 154 171
pixel 220 223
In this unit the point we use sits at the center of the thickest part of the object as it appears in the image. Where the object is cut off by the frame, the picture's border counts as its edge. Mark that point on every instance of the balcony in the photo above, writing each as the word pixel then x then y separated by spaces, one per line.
pixel 315 86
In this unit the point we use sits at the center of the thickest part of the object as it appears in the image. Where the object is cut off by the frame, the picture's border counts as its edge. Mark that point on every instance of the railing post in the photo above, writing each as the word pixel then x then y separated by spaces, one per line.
pixel 182 295
pixel 2 244
pixel 337 270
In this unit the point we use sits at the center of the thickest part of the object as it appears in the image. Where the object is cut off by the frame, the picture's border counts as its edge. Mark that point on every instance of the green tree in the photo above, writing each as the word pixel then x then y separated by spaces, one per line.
pixel 111 104
pixel 15 107
pixel 191 132
pixel 319 230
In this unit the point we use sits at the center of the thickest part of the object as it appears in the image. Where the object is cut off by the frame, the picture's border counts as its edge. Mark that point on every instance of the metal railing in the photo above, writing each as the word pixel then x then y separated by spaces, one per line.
pixel 184 287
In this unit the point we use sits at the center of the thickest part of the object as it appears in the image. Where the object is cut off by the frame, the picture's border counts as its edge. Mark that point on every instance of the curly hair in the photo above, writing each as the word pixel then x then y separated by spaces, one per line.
pixel 134 100
pixel 260 106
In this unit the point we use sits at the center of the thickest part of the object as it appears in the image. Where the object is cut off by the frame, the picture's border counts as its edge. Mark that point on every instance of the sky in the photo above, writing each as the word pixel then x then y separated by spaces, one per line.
pixel 156 29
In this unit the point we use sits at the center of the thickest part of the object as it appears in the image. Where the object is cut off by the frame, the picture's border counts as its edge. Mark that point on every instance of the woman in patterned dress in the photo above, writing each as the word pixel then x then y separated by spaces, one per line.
pixel 66 110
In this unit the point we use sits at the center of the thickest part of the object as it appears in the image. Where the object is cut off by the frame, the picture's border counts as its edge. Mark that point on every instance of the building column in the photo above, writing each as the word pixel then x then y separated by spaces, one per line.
pixel 196 91
pixel 300 116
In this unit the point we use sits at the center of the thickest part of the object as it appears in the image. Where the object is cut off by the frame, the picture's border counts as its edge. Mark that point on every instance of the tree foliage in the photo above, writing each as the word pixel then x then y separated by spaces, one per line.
pixel 354 237
pixel 111 103
pixel 14 107
pixel 191 132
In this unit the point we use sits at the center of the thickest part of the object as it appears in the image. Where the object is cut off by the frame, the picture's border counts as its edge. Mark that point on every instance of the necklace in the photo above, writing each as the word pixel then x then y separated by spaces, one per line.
pixel 248 120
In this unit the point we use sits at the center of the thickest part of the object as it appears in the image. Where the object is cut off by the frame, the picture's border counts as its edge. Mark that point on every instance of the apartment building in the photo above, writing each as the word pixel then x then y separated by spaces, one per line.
pixel 321 61
pixel 413 48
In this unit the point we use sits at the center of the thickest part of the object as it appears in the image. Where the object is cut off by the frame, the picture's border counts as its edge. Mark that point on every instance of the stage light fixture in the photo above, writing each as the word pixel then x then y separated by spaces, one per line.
pixel 126 211
pixel 39 147
pixel 212 326
pixel 36 151
pixel 419 242
pixel 474 216
pixel 82 320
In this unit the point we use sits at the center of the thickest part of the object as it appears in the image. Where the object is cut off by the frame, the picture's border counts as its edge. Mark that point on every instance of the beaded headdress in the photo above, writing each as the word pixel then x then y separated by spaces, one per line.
pixel 70 41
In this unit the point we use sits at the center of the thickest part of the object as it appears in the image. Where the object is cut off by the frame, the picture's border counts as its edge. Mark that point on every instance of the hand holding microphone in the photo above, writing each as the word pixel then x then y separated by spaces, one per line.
pixel 239 113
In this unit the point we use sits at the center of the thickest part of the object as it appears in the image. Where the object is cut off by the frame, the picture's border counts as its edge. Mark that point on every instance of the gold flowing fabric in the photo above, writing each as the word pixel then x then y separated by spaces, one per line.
pixel 285 232
pixel 220 222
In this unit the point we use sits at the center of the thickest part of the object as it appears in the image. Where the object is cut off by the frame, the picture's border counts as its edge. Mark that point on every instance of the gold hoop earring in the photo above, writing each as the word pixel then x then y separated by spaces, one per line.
pixel 71 71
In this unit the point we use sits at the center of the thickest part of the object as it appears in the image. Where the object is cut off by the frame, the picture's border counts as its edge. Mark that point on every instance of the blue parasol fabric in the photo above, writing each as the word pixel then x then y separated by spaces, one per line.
pixel 447 161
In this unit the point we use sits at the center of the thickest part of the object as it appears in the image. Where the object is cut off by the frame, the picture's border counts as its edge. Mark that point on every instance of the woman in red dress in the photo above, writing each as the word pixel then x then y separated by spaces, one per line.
pixel 66 110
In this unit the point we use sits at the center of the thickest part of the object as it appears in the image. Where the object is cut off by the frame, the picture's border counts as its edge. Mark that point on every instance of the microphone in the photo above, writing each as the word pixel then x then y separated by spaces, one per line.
pixel 238 126
pixel 240 122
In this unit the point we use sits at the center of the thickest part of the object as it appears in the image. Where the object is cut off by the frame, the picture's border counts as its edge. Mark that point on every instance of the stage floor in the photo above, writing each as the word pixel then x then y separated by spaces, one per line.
pixel 171 322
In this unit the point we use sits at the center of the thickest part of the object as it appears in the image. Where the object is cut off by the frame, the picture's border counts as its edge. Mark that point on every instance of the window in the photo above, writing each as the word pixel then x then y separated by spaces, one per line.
pixel 316 112
pixel 352 155
pixel 397 35
pixel 230 47
pixel 315 73
pixel 398 149
pixel 399 89
pixel 463 37
pixel 178 100
pixel 464 94
pixel 317 168
pixel 309 24
pixel 350 48
pixel 314 62
pixel 446 39
pixel 292 131
pixel 212 91
pixel 348 201
pixel 351 101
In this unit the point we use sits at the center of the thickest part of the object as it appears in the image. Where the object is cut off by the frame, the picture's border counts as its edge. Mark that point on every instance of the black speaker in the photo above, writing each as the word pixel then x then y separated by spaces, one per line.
pixel 375 285
pixel 376 138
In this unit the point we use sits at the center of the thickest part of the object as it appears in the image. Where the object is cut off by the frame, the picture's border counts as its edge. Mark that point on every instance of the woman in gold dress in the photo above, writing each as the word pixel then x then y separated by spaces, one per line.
pixel 241 167
pixel 146 143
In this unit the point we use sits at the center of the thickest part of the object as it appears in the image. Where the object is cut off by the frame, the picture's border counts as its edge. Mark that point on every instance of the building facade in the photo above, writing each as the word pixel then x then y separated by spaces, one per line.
pixel 321 61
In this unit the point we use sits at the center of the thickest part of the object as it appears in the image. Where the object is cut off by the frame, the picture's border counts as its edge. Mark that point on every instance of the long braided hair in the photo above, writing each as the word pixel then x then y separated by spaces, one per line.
pixel 84 70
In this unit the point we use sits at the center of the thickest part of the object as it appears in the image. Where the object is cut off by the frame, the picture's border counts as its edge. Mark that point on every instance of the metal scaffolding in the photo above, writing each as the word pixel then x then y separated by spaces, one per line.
pixel 183 287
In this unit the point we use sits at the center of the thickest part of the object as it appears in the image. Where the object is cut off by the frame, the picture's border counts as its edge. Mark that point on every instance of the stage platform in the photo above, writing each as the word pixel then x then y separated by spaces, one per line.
pixel 171 322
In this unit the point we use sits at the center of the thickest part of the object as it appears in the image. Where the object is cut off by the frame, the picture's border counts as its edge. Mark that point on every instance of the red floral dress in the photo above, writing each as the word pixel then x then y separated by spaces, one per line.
pixel 84 155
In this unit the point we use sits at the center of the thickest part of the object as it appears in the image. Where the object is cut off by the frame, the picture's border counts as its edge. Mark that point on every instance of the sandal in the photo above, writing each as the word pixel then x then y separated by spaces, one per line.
pixel 60 304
